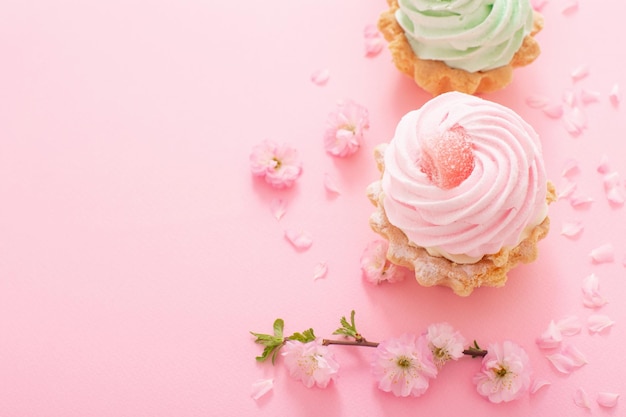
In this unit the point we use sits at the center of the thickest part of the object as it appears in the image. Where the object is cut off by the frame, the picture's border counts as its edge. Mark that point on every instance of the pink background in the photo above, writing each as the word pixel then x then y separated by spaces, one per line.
pixel 136 250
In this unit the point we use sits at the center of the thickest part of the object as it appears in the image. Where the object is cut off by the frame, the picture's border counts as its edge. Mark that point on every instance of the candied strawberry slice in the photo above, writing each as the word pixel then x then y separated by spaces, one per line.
pixel 447 158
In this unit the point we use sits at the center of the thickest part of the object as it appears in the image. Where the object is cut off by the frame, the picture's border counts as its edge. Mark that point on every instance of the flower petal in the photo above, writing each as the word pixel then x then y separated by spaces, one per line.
pixel 320 77
pixel 598 323
pixel 374 41
pixel 571 229
pixel 603 167
pixel 261 387
pixel 569 97
pixel 538 384
pixel 278 207
pixel 550 338
pixel 567 190
pixel 536 101
pixel 589 96
pixel 607 399
pixel 581 71
pixel 320 271
pixel 330 184
pixel 602 254
pixel 581 399
pixel 299 240
pixel 579 202
pixel 567 360
pixel 591 292
pixel 569 326
pixel 570 168
pixel 569 7
pixel 553 111
pixel 615 96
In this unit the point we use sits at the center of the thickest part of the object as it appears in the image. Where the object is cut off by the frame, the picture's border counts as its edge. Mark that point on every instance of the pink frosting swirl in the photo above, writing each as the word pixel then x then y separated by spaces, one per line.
pixel 495 203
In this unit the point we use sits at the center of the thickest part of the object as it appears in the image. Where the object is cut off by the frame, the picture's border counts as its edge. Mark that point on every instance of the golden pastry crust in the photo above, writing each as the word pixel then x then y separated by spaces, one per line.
pixel 436 77
pixel 490 271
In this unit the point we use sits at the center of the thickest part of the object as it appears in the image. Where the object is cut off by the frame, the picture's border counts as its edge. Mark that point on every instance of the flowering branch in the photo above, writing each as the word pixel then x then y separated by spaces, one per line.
pixel 403 366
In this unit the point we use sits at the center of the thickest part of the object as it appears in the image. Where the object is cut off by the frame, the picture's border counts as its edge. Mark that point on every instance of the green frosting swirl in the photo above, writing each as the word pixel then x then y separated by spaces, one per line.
pixel 473 35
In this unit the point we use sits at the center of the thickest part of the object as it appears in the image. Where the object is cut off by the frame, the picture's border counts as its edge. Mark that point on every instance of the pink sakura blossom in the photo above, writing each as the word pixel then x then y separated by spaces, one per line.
pixel 278 164
pixel 376 267
pixel 445 343
pixel 310 362
pixel 505 373
pixel 345 127
pixel 404 366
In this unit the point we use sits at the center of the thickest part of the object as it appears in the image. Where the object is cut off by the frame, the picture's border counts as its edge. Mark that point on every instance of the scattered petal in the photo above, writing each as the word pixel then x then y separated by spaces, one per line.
pixel 569 97
pixel 567 360
pixel 536 101
pixel 604 168
pixel 330 184
pixel 615 196
pixel 551 337
pixel 571 168
pixel 575 122
pixel 299 240
pixel 567 190
pixel 615 96
pixel 538 384
pixel 538 4
pixel 261 387
pixel 613 189
pixel 375 266
pixel 578 202
pixel 591 292
pixel 607 399
pixel 580 72
pixel 320 271
pixel 589 96
pixel 602 254
pixel 553 111
pixel 345 128
pixel 278 207
pixel 598 323
pixel 570 7
pixel 374 41
pixel 320 77
pixel 572 229
pixel 581 399
pixel 569 326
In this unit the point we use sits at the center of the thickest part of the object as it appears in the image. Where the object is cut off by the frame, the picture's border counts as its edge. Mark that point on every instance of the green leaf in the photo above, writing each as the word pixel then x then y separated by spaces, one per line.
pixel 279 325
pixel 347 328
pixel 304 337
